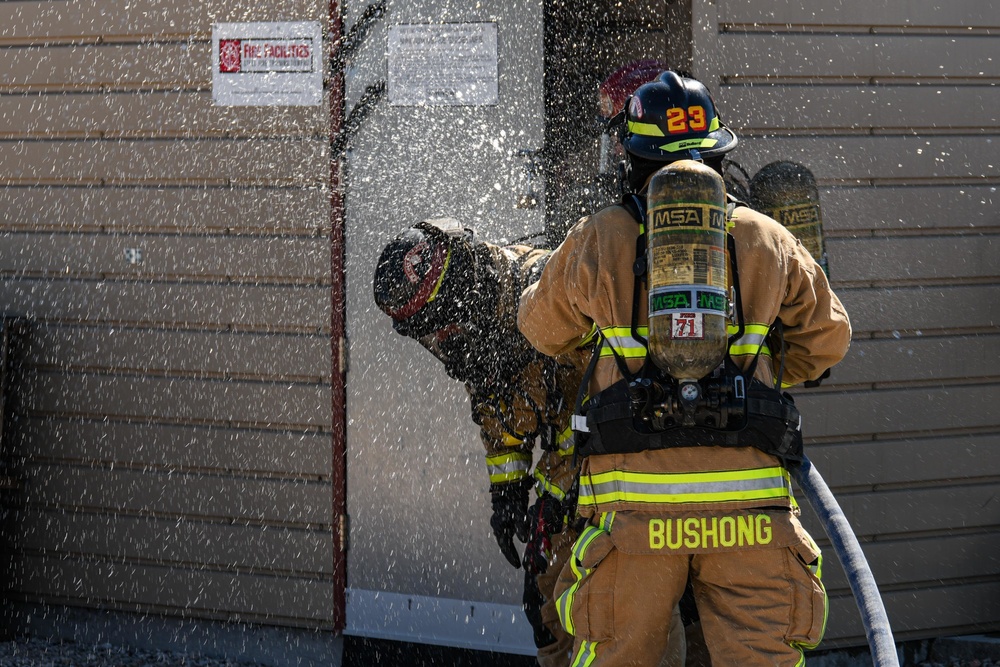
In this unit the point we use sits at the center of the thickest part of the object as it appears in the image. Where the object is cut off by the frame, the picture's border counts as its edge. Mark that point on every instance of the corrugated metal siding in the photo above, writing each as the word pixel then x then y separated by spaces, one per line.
pixel 175 443
pixel 894 108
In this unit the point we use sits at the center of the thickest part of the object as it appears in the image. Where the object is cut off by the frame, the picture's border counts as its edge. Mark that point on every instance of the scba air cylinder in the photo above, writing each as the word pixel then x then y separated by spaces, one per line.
pixel 687 264
pixel 787 192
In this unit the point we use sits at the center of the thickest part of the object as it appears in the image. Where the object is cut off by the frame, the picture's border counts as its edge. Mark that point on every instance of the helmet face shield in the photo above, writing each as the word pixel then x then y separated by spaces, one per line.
pixel 457 346
pixel 473 354
pixel 610 149
pixel 435 316
pixel 612 95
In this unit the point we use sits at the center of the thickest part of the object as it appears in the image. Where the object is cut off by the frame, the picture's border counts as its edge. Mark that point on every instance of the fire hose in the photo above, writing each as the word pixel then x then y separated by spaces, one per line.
pixel 852 558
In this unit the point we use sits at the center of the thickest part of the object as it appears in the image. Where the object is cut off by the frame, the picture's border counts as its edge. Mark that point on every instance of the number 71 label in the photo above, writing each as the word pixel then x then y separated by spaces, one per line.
pixel 687 326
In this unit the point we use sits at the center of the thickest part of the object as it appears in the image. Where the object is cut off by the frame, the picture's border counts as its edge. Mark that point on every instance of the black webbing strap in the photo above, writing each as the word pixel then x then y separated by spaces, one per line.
pixel 740 324
pixel 773 426
pixel 604 413
pixel 587 374
pixel 585 382
pixel 578 408
pixel 636 206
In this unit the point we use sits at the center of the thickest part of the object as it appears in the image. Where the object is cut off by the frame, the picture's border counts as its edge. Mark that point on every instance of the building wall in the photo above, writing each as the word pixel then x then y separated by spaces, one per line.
pixel 174 446
pixel 894 108
pixel 418 489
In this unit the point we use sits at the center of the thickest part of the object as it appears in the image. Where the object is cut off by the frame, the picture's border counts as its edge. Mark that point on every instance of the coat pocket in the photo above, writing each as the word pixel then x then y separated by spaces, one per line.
pixel 585 589
pixel 809 602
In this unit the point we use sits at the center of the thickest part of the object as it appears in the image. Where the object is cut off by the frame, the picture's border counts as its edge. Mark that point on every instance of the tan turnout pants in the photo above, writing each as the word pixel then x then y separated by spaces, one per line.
pixel 760 606
pixel 559 654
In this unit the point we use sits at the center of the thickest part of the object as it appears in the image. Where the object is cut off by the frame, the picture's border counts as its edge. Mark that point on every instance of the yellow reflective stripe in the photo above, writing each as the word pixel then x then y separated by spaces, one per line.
pixel 564 604
pixel 714 125
pixel 624 331
pixel 826 602
pixel 508 467
pixel 675 488
pixel 508 477
pixel 565 442
pixel 590 337
pixel 684 144
pixel 627 347
pixel 761 329
pixel 607 519
pixel 749 350
pixel 751 341
pixel 645 129
pixel 512 476
pixel 621 340
pixel 444 270
pixel 585 655
pixel 548 487
pixel 511 440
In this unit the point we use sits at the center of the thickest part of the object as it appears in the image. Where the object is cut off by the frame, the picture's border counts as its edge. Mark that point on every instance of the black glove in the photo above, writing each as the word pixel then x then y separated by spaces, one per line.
pixel 819 380
pixel 510 517
pixel 546 520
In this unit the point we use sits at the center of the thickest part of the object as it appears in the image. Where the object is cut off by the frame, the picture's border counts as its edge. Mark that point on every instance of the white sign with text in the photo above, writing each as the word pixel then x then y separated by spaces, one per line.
pixel 452 64
pixel 267 64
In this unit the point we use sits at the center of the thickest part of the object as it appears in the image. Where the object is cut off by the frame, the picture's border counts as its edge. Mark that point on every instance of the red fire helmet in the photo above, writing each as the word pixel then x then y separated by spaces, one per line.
pixel 621 83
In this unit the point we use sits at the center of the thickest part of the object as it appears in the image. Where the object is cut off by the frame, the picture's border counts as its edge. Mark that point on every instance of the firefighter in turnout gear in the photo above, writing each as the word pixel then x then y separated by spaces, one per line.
pixel 686 477
pixel 457 296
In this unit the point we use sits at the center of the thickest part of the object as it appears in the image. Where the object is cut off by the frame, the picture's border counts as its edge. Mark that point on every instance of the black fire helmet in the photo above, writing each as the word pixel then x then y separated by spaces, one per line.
pixel 672 118
pixel 426 277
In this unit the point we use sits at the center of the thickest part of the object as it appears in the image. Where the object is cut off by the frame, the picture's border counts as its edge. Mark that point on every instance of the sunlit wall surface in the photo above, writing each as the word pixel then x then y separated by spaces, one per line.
pixel 893 106
pixel 173 260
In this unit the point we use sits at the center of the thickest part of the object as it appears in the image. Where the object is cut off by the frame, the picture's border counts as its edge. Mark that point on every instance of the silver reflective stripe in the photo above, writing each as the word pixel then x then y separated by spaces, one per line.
pixel 749 339
pixel 625 346
pixel 516 465
pixel 621 486
pixel 754 338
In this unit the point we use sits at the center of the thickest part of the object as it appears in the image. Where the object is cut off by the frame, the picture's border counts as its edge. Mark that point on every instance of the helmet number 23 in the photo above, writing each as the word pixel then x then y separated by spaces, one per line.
pixel 691 120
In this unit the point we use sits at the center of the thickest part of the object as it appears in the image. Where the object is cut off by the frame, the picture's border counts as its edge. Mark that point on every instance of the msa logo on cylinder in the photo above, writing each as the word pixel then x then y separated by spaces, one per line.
pixel 688 215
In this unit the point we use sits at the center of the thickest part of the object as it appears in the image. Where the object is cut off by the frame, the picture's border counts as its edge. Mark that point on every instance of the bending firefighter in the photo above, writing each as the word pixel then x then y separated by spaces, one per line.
pixel 458 298
pixel 698 307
